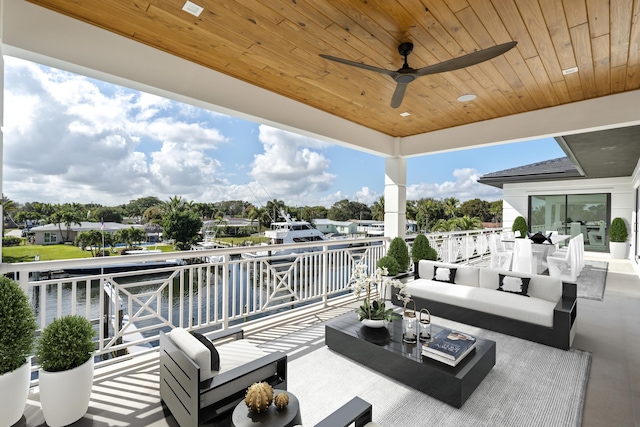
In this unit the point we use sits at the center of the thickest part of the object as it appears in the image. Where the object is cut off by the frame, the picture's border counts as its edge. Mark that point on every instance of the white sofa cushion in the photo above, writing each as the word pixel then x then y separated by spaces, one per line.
pixel 465 274
pixel 532 310
pixel 545 287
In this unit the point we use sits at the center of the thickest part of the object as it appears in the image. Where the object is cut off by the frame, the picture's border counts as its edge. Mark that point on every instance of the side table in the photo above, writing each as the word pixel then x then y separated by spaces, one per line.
pixel 288 416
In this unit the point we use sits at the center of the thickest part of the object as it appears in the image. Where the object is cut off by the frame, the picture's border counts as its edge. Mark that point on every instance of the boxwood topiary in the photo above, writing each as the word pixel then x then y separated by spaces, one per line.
pixel 390 264
pixel 520 224
pixel 65 343
pixel 618 232
pixel 17 326
pixel 421 249
pixel 398 250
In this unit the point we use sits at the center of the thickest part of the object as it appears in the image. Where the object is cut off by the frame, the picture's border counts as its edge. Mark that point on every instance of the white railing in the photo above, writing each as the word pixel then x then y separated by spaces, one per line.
pixel 462 246
pixel 206 289
pixel 210 288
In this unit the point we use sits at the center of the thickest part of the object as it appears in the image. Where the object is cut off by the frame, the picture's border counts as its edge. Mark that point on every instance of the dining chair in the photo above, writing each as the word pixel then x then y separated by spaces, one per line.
pixel 500 257
pixel 524 259
pixel 596 237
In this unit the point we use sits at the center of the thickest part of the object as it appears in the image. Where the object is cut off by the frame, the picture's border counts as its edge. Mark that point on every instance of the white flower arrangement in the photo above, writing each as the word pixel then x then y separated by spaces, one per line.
pixel 375 309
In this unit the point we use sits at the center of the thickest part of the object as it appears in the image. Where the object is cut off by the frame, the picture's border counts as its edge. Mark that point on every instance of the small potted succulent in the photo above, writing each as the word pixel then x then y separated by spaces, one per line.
pixel 65 354
pixel 17 333
pixel 421 249
pixel 618 235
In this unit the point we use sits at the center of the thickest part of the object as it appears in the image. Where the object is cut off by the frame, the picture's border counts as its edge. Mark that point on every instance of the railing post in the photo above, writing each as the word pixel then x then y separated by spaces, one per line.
pixel 225 290
pixel 325 275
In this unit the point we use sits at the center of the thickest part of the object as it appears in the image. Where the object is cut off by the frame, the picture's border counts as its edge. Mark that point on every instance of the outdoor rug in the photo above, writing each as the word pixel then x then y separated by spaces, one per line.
pixel 530 385
pixel 592 280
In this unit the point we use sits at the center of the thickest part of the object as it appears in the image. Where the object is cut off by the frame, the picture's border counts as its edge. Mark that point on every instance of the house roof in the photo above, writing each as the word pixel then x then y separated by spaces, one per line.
pixel 86 226
pixel 554 169
pixel 325 221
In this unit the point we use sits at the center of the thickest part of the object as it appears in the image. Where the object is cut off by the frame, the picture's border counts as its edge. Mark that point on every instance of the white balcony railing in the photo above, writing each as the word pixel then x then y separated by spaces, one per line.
pixel 208 289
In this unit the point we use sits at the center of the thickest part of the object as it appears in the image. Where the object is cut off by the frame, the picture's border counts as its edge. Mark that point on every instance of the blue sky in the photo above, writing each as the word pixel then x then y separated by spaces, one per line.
pixel 69 138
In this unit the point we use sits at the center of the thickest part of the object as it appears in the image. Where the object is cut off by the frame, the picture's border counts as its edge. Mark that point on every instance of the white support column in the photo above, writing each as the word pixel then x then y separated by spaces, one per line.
pixel 1 132
pixel 395 197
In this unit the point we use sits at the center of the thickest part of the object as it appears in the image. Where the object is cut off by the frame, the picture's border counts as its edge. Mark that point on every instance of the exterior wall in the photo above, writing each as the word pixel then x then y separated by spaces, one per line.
pixel 516 197
pixel 39 236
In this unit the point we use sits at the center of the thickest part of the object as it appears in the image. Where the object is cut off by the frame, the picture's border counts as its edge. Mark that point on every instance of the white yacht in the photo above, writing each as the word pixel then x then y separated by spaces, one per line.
pixel 289 231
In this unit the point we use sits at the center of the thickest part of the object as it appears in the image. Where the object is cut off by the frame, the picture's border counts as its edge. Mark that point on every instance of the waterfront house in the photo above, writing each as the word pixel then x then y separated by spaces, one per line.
pixel 51 234
pixel 329 226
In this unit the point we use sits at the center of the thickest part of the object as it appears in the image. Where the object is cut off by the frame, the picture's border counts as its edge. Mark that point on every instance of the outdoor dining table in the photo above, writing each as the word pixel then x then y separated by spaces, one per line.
pixel 545 248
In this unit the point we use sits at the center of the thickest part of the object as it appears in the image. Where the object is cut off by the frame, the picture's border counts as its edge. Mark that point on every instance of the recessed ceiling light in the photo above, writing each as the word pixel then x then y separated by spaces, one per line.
pixel 612 147
pixel 192 8
pixel 570 70
pixel 405 114
pixel 467 97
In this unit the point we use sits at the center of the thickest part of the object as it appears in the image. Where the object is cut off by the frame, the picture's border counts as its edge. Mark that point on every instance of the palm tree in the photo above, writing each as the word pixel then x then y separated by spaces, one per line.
pixel 377 209
pixel 67 216
pixel 274 207
pixel 451 207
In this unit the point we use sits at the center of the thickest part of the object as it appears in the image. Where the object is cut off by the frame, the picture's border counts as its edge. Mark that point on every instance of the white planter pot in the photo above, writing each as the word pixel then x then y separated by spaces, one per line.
pixel 14 391
pixel 374 323
pixel 618 249
pixel 65 395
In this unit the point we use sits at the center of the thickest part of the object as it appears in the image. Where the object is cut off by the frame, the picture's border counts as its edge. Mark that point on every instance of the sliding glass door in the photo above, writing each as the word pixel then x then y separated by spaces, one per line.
pixel 573 214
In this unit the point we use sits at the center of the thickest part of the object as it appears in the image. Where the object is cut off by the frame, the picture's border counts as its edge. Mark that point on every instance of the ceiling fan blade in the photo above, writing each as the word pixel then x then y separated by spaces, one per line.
pixel 467 60
pixel 360 65
pixel 398 95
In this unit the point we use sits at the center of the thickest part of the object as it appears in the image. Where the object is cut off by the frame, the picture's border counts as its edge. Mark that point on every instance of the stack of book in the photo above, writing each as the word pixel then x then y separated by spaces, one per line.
pixel 449 346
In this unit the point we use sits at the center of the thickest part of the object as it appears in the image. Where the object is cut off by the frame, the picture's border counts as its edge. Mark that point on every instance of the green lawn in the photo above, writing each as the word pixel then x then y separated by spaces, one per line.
pixel 25 253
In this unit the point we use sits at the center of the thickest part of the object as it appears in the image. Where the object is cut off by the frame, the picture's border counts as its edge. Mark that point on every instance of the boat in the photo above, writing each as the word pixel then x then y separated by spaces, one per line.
pixel 290 231
pixel 119 268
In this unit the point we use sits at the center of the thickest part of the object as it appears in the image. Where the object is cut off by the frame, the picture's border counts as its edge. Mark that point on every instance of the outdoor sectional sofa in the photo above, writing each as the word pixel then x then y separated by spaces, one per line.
pixel 547 315
pixel 196 393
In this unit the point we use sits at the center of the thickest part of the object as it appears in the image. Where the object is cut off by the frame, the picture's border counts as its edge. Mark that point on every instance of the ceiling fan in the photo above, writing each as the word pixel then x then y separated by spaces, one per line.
pixel 406 74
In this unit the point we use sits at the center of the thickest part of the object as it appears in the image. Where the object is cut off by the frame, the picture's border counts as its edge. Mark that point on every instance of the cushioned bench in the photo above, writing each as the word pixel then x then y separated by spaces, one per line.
pixel 194 391
pixel 545 315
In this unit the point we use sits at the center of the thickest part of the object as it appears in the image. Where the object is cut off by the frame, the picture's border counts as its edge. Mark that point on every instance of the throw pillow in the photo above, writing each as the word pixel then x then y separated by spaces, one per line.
pixel 444 274
pixel 215 357
pixel 514 285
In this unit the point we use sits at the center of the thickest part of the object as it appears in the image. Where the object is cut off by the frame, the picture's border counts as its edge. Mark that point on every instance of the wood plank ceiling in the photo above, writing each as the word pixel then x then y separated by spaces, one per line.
pixel 276 44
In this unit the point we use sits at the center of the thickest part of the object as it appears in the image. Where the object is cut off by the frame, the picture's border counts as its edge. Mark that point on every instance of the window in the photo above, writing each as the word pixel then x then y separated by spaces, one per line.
pixel 572 214
pixel 50 237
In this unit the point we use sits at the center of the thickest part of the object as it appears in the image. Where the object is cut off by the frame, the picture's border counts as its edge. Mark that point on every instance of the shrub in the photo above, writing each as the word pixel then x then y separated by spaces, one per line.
pixel 390 264
pixel 421 249
pixel 398 250
pixel 520 224
pixel 618 231
pixel 18 326
pixel 11 241
pixel 65 343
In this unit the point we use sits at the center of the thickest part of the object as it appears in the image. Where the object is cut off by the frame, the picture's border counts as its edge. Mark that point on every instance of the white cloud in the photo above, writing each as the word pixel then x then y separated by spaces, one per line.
pixel 367 196
pixel 464 187
pixel 288 169
pixel 68 138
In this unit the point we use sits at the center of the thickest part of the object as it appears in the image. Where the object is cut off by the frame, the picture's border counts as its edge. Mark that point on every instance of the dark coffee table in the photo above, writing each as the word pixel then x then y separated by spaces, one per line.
pixel 384 351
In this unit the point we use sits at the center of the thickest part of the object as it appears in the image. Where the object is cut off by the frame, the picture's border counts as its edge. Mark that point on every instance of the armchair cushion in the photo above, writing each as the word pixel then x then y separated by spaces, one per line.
pixel 215 357
pixel 197 351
